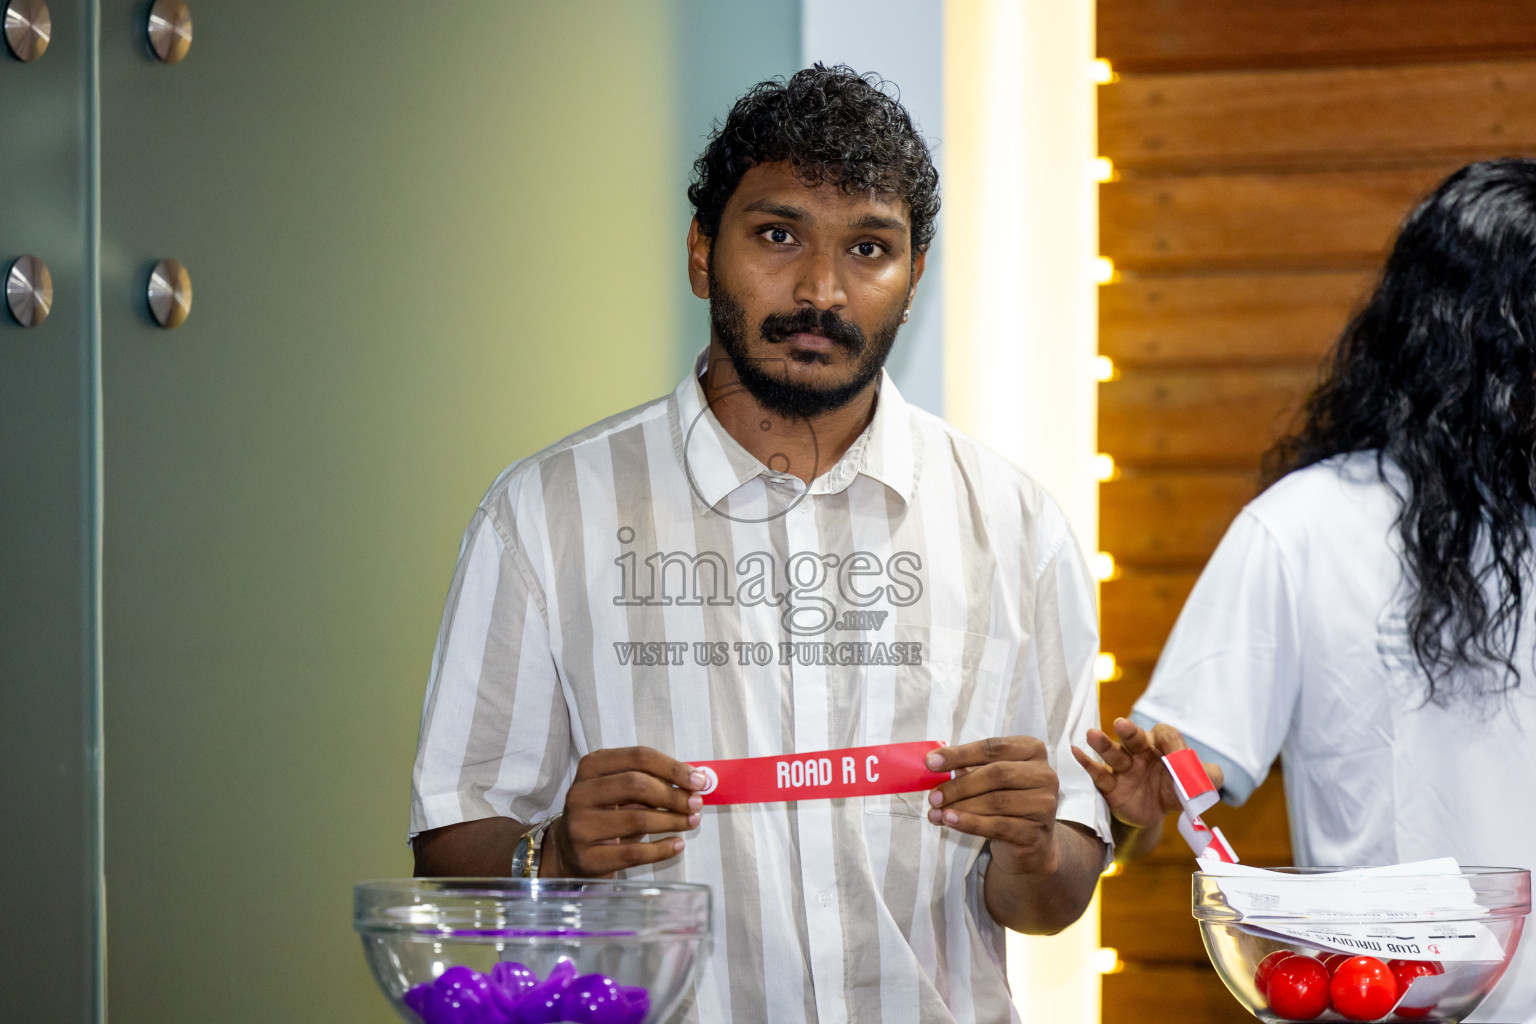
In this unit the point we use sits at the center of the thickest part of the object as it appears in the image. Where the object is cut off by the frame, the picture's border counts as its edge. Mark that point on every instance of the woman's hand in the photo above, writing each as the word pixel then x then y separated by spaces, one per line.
pixel 1132 778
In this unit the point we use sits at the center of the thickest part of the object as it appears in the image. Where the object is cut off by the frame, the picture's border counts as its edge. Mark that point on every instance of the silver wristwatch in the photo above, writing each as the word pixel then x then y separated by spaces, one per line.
pixel 526 855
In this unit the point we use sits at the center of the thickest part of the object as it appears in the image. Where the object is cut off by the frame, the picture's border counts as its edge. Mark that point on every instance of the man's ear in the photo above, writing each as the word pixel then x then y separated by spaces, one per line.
pixel 698 259
pixel 917 275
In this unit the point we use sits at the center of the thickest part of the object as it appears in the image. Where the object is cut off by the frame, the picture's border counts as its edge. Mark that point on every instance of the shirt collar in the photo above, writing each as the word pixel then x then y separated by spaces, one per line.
pixel 716 464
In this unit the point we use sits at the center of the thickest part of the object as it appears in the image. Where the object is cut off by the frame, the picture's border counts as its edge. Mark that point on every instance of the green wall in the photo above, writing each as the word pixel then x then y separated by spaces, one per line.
pixel 422 245
pixel 49 788
pixel 723 48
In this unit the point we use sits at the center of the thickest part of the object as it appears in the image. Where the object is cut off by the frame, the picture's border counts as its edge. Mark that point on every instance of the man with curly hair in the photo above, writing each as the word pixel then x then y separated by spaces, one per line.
pixel 782 558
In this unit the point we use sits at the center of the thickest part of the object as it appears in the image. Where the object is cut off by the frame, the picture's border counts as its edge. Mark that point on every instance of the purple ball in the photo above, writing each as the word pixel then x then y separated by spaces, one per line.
pixel 638 1000
pixel 541 1003
pixel 447 1008
pixel 415 997
pixel 513 977
pixel 593 999
pixel 461 995
pixel 466 978
pixel 508 983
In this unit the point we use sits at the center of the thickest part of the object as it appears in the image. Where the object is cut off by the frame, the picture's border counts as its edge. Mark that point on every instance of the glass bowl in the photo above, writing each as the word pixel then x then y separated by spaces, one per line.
pixel 527 951
pixel 1464 928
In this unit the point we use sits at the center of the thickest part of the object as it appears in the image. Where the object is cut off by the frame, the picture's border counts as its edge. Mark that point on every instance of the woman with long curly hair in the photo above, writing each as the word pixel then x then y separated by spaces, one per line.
pixel 1368 617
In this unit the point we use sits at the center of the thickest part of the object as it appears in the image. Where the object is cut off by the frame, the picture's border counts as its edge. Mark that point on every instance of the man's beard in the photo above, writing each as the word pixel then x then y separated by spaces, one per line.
pixel 782 395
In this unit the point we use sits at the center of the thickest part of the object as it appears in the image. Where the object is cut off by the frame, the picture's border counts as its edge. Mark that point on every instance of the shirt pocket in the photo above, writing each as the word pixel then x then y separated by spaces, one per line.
pixel 954 688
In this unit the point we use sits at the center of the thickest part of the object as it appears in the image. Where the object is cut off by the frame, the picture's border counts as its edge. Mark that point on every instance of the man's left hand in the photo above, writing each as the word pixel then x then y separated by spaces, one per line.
pixel 1006 792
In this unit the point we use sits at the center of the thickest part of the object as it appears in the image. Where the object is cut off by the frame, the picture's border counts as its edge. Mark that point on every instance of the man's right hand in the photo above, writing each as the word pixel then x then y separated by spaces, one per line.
pixel 1132 778
pixel 619 797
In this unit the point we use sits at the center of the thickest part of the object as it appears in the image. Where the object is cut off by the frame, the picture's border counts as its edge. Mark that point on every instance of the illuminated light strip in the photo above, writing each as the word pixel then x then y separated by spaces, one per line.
pixel 1021 312
pixel 1107 960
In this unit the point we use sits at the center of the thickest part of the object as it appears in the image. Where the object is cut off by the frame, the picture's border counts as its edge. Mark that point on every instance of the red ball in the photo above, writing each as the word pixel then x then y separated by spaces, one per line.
pixel 1363 988
pixel 1266 968
pixel 1332 961
pixel 1404 972
pixel 1298 988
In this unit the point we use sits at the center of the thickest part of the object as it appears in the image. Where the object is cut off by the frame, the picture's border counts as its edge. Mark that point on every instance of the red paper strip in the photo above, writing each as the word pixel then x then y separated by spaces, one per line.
pixel 1220 848
pixel 822 775
pixel 1189 775
pixel 1197 793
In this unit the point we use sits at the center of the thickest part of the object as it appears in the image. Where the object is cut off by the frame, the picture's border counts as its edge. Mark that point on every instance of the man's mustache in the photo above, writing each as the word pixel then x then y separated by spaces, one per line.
pixel 779 326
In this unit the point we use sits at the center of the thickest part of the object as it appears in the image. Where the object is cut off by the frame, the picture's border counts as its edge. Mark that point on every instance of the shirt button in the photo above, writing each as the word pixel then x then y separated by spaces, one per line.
pixel 824 898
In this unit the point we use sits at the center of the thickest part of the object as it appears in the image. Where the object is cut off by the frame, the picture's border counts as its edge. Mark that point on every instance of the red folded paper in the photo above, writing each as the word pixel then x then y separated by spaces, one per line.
pixel 822 775
pixel 1196 791
pixel 1197 794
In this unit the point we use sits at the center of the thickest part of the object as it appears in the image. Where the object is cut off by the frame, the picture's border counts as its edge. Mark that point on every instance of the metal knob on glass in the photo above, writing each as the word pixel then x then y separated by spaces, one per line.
pixel 28 27
pixel 29 290
pixel 170 293
pixel 170 30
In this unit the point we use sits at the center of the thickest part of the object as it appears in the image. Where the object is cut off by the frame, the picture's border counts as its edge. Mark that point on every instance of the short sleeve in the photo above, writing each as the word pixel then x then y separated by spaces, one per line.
pixel 1063 647
pixel 493 667
pixel 1229 675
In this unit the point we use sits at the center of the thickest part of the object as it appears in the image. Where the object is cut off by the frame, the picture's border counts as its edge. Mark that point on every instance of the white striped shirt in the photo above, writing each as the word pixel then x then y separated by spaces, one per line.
pixel 656 527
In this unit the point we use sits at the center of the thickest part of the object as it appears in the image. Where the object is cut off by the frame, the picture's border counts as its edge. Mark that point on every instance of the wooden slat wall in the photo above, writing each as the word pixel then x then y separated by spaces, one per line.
pixel 1361 116
pixel 1204 418
pixel 1202 35
pixel 1225 319
pixel 1265 152
pixel 1258 221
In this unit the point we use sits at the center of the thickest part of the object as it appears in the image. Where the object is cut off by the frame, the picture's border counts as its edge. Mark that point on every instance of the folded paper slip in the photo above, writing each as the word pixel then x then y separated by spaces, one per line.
pixel 821 775
pixel 1197 794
